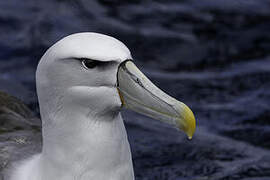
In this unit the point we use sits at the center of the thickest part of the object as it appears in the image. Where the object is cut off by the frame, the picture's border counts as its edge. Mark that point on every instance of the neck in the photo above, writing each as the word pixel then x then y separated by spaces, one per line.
pixel 78 146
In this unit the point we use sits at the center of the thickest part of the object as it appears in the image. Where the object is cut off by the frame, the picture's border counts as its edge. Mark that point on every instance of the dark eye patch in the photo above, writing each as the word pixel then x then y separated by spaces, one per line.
pixel 91 64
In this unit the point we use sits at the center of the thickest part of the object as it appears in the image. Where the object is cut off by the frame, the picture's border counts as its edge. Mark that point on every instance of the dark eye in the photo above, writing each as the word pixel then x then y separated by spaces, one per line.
pixel 89 63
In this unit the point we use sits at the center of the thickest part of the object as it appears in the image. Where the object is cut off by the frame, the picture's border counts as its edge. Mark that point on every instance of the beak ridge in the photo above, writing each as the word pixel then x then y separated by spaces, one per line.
pixel 139 94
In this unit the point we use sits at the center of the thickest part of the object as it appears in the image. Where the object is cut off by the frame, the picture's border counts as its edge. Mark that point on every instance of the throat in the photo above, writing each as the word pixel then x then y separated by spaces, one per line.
pixel 86 148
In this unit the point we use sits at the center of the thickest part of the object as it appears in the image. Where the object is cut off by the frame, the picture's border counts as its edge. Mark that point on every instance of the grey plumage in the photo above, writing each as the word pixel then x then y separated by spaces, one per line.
pixel 20 135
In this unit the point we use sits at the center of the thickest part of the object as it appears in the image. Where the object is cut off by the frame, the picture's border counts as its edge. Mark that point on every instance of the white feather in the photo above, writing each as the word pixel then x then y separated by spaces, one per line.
pixel 84 137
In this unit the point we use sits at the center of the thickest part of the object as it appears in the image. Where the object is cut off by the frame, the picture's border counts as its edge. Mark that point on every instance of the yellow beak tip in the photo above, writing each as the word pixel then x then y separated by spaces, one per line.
pixel 187 123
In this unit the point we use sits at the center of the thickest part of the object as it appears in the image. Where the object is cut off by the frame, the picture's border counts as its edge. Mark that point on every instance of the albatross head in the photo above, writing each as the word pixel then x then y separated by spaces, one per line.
pixel 96 72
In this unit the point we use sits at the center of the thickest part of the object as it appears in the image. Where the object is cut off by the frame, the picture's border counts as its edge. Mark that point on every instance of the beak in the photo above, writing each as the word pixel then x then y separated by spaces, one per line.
pixel 139 94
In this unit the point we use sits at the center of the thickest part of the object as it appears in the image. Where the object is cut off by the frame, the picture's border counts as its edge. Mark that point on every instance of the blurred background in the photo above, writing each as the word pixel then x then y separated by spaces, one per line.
pixel 214 55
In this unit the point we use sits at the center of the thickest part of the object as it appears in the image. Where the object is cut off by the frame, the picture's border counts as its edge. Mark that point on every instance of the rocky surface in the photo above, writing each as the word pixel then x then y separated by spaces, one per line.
pixel 211 54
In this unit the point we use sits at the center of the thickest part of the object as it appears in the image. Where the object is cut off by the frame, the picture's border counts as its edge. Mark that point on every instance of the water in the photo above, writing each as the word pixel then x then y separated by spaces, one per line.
pixel 212 55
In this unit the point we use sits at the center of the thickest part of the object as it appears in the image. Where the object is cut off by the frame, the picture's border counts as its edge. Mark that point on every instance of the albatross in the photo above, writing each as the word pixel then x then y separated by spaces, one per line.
pixel 83 82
